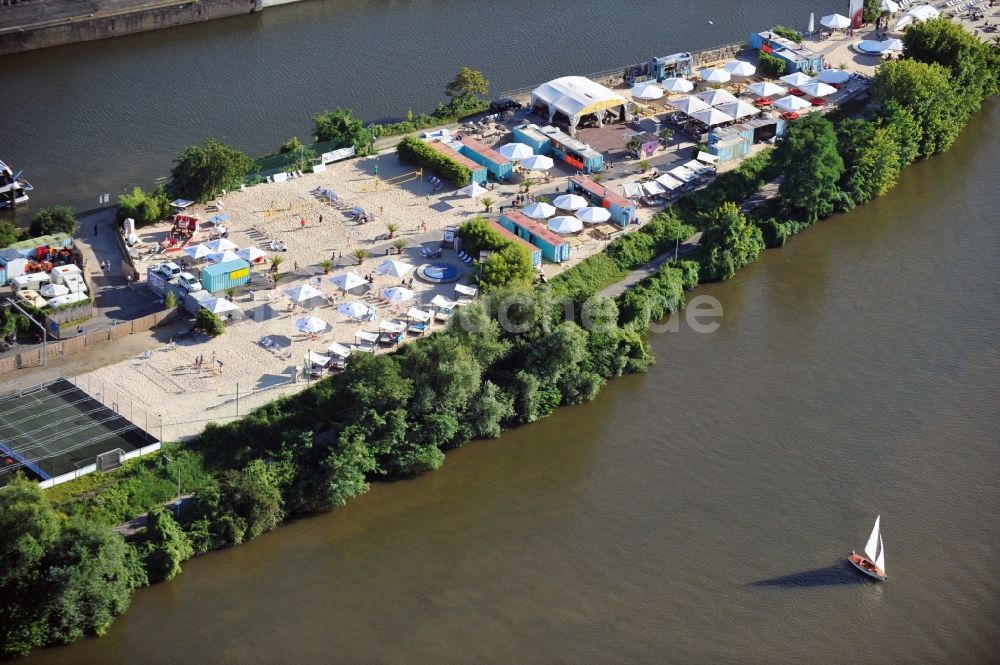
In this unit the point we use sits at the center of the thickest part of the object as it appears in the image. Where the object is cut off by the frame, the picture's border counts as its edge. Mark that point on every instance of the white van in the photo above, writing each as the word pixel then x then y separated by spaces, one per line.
pixel 68 299
pixel 33 281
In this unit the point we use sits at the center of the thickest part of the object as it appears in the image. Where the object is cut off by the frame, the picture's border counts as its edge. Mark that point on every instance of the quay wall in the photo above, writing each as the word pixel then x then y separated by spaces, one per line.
pixel 114 19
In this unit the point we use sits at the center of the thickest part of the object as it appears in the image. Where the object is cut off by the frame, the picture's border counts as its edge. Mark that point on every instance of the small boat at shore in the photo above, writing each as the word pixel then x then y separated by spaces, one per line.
pixel 12 188
pixel 873 562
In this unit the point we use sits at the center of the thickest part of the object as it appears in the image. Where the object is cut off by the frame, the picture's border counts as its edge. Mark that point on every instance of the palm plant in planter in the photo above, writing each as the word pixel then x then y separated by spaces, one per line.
pixel 360 254
pixel 400 245
pixel 487 202
pixel 326 265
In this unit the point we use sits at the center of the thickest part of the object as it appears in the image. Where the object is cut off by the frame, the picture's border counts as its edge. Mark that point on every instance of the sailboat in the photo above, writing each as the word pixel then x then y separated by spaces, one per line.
pixel 873 563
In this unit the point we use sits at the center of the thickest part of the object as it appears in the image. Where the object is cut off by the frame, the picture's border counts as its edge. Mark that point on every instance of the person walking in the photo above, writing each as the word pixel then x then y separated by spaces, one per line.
pixel 302 223
pixel 321 219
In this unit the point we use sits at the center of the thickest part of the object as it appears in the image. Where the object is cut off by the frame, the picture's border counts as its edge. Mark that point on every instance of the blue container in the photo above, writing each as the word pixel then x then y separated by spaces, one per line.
pixel 222 276
pixel 529 135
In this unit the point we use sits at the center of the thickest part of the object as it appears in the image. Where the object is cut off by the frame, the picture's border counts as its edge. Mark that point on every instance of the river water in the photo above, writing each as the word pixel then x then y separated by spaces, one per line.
pixel 698 513
pixel 104 116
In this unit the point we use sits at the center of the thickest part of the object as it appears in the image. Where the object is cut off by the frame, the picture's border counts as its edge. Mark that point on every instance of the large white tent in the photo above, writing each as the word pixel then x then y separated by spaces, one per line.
pixel 565 224
pixel 570 202
pixel 740 68
pixel 538 163
pixel 817 89
pixel 577 96
pixel 647 91
pixel 677 85
pixel 515 151
pixel 538 210
pixel 796 79
pixel 715 75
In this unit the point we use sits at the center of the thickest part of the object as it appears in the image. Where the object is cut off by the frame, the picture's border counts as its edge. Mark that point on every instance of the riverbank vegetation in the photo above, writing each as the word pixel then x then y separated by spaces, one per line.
pixel 203 171
pixel 507 359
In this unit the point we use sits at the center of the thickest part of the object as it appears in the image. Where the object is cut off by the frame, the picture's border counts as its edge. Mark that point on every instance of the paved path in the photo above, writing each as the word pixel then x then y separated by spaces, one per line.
pixel 644 271
pixel 137 523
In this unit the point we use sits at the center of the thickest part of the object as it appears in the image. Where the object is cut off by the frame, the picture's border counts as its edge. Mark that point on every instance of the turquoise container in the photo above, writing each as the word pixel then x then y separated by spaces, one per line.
pixel 222 276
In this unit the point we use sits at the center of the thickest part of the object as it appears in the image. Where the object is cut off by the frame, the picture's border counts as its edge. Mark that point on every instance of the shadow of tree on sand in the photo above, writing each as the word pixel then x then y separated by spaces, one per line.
pixel 836 574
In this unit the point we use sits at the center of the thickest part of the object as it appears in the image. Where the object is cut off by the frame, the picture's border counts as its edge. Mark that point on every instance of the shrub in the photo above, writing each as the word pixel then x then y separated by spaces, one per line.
pixel 341 127
pixel 57 219
pixel 771 65
pixel 202 171
pixel 144 207
pixel 209 322
pixel 414 151
pixel 8 234
pixel 787 33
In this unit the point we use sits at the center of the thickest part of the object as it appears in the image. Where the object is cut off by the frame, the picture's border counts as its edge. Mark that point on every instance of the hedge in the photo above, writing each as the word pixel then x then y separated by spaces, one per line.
pixel 415 151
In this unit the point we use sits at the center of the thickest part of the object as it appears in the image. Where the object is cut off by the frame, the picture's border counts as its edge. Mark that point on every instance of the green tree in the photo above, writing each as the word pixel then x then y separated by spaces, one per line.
pixel 144 207
pixel 871 158
pixel 812 167
pixel 872 10
pixel 905 129
pixel 203 171
pixel 166 546
pixel 57 219
pixel 974 66
pixel 509 264
pixel 730 242
pixel 341 127
pixel 468 83
pixel 8 234
pixel 927 91
pixel 209 322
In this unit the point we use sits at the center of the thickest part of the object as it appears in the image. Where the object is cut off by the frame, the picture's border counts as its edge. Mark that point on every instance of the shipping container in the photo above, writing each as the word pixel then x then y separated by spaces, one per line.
pixel 222 276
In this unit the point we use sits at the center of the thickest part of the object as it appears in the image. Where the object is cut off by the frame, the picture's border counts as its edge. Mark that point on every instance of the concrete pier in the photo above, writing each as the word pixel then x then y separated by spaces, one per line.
pixel 34 24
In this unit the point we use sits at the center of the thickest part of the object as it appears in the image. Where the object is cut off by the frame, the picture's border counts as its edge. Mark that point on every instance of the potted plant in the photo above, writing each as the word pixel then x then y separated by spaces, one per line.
pixel 391 228
pixel 399 244
pixel 326 265
pixel 487 202
pixel 276 262
pixel 230 293
pixel 643 165
pixel 360 254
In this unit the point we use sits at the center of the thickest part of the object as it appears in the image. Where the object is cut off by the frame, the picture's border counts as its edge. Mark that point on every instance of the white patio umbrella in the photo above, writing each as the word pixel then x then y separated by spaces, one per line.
pixel 715 97
pixel 740 68
pixel 767 89
pixel 347 281
pixel 688 104
pixel 812 22
pixel 714 75
pixel 224 257
pixel 221 245
pixel 302 293
pixel 394 268
pixel 817 89
pixel 473 190
pixel 676 84
pixel 890 6
pixel 712 117
pixel 647 91
pixel 831 76
pixel 565 224
pixel 355 310
pixel 538 163
pixel 892 45
pixel 515 151
pixel 791 103
pixel 836 22
pixel 398 294
pixel 538 210
pixel 593 215
pixel 796 79
pixel 310 324
pixel 198 252
pixel 219 306
pixel 738 109
pixel 251 254
pixel 570 202
pixel 53 290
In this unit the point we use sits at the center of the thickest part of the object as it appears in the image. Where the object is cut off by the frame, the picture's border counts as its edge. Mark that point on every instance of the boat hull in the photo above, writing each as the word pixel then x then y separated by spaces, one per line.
pixel 867 567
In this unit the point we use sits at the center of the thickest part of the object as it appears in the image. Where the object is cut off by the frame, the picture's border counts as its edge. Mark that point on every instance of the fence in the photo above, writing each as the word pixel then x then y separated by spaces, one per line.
pixel 40 355
pixel 90 468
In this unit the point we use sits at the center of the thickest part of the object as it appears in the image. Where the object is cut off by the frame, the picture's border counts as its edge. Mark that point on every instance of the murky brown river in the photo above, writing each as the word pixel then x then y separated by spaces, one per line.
pixel 696 514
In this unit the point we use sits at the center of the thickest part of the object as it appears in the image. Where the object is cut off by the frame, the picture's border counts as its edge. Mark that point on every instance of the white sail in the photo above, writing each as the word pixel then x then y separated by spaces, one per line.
pixel 880 562
pixel 870 548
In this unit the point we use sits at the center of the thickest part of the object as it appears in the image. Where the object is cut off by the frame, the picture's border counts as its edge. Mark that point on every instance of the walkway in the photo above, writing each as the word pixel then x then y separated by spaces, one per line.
pixel 137 523
pixel 644 271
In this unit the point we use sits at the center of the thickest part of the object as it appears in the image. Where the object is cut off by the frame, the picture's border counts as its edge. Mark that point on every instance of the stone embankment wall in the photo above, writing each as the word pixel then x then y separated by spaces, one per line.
pixel 112 19
pixel 718 54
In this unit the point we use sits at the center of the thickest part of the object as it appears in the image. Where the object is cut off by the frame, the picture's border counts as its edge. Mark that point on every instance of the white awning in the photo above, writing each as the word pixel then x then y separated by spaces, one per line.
pixel 391 326
pixel 466 290
pixel 653 188
pixel 339 350
pixel 707 158
pixel 367 336
pixel 669 182
pixel 419 314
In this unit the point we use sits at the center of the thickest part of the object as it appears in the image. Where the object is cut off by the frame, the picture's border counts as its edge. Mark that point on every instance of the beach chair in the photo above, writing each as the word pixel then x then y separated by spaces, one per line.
pixel 266 342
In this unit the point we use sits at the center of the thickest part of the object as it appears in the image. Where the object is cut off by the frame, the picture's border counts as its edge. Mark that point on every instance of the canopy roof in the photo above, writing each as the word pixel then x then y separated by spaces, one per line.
pixel 739 109
pixel 576 96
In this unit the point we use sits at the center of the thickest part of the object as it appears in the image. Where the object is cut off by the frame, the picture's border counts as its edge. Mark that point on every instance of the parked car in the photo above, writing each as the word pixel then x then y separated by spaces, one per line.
pixel 189 282
pixel 504 104
pixel 169 269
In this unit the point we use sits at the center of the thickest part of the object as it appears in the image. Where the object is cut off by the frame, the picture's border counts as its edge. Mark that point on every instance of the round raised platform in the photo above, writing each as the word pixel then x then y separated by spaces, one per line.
pixel 439 272
pixel 869 47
